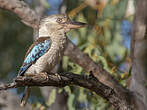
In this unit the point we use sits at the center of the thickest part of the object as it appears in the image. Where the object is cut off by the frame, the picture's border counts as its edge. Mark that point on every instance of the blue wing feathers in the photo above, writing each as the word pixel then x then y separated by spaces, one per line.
pixel 37 51
pixel 23 69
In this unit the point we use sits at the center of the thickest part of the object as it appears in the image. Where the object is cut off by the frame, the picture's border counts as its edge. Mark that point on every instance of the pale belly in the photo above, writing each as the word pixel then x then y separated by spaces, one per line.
pixel 45 63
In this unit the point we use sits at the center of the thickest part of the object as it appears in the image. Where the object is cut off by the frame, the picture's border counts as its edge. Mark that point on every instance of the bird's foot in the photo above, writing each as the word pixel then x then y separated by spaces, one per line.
pixel 45 75
pixel 54 74
pixel 59 77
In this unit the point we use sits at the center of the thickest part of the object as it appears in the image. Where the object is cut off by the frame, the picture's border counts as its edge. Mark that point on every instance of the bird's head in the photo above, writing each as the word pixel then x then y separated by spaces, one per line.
pixel 56 23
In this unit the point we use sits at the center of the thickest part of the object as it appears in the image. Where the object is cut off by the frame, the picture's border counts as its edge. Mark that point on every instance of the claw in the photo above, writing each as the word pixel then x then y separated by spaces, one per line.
pixel 59 77
pixel 45 75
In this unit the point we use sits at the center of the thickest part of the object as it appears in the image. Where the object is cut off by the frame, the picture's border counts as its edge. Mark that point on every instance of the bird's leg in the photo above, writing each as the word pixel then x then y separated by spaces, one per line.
pixel 56 74
pixel 46 75
pixel 59 77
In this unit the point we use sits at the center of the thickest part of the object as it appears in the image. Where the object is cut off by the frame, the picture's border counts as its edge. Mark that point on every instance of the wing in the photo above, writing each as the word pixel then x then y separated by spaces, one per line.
pixel 36 50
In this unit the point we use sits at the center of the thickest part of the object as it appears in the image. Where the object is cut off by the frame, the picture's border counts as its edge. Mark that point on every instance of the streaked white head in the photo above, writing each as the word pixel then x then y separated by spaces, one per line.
pixel 57 23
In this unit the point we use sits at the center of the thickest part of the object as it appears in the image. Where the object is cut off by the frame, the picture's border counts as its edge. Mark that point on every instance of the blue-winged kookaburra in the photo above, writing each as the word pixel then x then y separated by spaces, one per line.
pixel 47 50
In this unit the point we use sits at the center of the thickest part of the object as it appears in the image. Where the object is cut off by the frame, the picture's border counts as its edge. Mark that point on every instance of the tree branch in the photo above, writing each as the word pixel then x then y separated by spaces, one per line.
pixel 139 55
pixel 90 66
pixel 62 80
pixel 27 15
pixel 31 19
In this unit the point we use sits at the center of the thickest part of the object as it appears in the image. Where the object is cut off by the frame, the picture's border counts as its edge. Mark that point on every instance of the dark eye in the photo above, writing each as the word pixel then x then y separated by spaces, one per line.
pixel 59 20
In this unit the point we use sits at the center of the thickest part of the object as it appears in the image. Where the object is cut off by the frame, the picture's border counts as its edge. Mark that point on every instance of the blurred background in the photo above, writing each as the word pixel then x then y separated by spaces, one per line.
pixel 105 40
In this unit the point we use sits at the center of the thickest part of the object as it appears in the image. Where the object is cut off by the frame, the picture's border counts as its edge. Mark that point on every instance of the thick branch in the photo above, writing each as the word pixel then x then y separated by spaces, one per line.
pixel 96 69
pixel 20 8
pixel 61 80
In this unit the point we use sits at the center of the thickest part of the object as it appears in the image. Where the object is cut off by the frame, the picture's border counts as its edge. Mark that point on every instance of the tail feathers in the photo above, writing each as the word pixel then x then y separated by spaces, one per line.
pixel 25 96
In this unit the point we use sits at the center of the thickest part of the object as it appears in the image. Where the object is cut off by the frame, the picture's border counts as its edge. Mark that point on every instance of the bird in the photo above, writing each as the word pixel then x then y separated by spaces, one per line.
pixel 47 50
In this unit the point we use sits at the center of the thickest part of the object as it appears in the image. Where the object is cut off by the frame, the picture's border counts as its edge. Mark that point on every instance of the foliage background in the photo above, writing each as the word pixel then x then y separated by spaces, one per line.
pixel 105 40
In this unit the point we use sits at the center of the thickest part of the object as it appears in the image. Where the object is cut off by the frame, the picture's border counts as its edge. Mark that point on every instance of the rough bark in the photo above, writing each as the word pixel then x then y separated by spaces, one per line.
pixel 28 16
pixel 62 80
pixel 139 55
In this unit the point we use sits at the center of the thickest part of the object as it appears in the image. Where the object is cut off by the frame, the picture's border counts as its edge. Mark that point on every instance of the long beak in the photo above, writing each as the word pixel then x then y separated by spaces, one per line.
pixel 74 24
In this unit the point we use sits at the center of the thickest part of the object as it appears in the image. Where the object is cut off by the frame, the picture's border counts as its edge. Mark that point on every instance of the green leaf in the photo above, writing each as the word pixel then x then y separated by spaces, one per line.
pixel 52 97
pixel 75 68
pixel 70 102
pixel 45 3
pixel 67 89
pixel 60 90
pixel 82 95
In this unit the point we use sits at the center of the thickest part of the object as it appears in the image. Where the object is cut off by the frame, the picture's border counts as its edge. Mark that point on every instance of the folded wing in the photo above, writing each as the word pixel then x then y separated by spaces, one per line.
pixel 36 50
